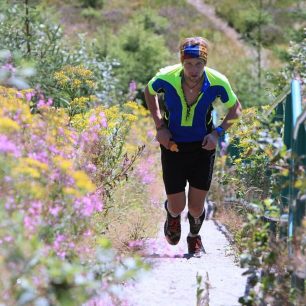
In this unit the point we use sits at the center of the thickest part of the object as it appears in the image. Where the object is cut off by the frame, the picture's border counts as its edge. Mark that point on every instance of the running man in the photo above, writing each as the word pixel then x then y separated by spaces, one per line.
pixel 187 136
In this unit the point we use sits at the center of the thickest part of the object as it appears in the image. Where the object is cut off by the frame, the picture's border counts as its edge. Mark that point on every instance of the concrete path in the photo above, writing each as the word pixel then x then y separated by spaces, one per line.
pixel 172 281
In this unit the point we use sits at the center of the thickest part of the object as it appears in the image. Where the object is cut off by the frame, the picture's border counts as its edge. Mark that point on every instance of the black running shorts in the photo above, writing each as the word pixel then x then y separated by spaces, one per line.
pixel 191 163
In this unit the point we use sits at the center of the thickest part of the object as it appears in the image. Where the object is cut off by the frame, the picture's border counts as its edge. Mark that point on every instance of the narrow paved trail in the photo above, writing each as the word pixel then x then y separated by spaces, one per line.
pixel 172 280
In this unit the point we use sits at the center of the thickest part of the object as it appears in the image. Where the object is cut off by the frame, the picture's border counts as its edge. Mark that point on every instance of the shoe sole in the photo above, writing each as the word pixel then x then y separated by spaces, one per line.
pixel 199 254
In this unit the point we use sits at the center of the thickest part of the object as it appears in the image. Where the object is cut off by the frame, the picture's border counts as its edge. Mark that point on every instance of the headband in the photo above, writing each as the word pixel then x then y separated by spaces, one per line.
pixel 194 51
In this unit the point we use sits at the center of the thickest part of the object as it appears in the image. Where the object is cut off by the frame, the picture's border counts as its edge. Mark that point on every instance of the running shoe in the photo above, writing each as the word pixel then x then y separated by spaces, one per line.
pixel 195 246
pixel 172 228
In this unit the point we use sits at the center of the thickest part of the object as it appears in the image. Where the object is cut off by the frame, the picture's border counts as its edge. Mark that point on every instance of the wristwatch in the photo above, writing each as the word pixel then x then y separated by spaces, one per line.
pixel 220 131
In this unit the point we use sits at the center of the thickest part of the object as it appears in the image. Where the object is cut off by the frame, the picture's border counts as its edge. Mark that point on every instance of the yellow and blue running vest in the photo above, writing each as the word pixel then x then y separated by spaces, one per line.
pixel 190 123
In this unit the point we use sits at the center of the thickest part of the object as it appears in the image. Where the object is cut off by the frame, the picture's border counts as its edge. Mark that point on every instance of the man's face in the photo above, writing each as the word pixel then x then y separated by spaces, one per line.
pixel 193 68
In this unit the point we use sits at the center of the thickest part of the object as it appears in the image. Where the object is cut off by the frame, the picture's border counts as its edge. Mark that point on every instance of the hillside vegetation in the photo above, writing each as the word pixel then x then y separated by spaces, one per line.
pixel 144 36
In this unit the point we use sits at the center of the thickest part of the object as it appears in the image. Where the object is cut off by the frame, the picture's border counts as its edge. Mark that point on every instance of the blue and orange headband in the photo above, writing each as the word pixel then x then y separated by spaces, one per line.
pixel 196 50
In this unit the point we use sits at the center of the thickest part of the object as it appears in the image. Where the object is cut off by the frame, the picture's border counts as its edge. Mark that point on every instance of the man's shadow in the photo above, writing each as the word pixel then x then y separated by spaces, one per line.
pixel 174 256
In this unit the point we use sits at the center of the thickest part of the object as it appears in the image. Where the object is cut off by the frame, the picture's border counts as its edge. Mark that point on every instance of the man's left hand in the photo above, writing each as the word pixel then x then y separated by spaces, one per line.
pixel 210 141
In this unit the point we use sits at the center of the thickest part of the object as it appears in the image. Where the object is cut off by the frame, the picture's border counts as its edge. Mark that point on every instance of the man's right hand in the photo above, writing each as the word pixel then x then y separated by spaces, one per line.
pixel 163 136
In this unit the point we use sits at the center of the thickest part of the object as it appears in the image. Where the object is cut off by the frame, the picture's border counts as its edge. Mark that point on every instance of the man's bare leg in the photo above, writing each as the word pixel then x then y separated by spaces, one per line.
pixel 176 203
pixel 196 200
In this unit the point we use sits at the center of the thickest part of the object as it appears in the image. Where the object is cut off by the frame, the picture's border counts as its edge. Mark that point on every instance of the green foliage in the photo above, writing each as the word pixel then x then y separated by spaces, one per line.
pixel 298 55
pixel 295 67
pixel 258 172
pixel 77 86
pixel 272 16
pixel 245 84
pixel 93 3
pixel 255 150
pixel 90 13
pixel 41 278
pixel 45 48
pixel 140 51
pixel 269 268
pixel 268 280
pixel 11 76
pixel 202 291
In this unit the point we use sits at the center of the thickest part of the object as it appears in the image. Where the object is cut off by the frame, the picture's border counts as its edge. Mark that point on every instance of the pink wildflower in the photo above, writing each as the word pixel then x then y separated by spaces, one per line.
pixel 9 67
pixel 132 86
pixel 10 203
pixel 43 104
pixel 87 233
pixel 58 241
pixel 90 168
pixel 33 217
pixel 7 179
pixel 54 211
pixel 103 121
pixel 40 156
pixel 8 238
pixel 104 300
pixel 7 146
pixel 19 95
pixel 135 244
pixel 29 96
pixel 150 134
pixel 144 171
pixel 89 204
pixel 92 118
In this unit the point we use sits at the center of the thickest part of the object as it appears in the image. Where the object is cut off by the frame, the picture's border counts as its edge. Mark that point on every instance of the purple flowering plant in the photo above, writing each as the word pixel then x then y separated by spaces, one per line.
pixel 48 198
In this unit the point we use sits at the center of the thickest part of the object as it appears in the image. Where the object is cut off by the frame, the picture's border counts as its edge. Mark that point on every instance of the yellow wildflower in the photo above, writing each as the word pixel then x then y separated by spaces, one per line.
pixel 143 112
pixel 7 124
pixel 131 104
pixel 129 117
pixel 71 191
pixel 79 121
pixel 61 78
pixel 34 163
pixel 62 163
pixel 76 84
pixel 36 190
pixel 90 84
pixel 79 102
pixel 26 170
pixel 82 181
pixel 92 98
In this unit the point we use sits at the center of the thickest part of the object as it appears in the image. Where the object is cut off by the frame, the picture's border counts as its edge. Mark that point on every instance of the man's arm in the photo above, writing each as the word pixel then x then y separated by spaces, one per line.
pixel 163 135
pixel 210 141
pixel 233 113
pixel 153 106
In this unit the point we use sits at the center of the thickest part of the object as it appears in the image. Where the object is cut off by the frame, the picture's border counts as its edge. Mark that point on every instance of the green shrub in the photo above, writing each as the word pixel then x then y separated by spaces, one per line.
pixel 276 18
pixel 93 3
pixel 140 51
pixel 295 65
pixel 49 53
